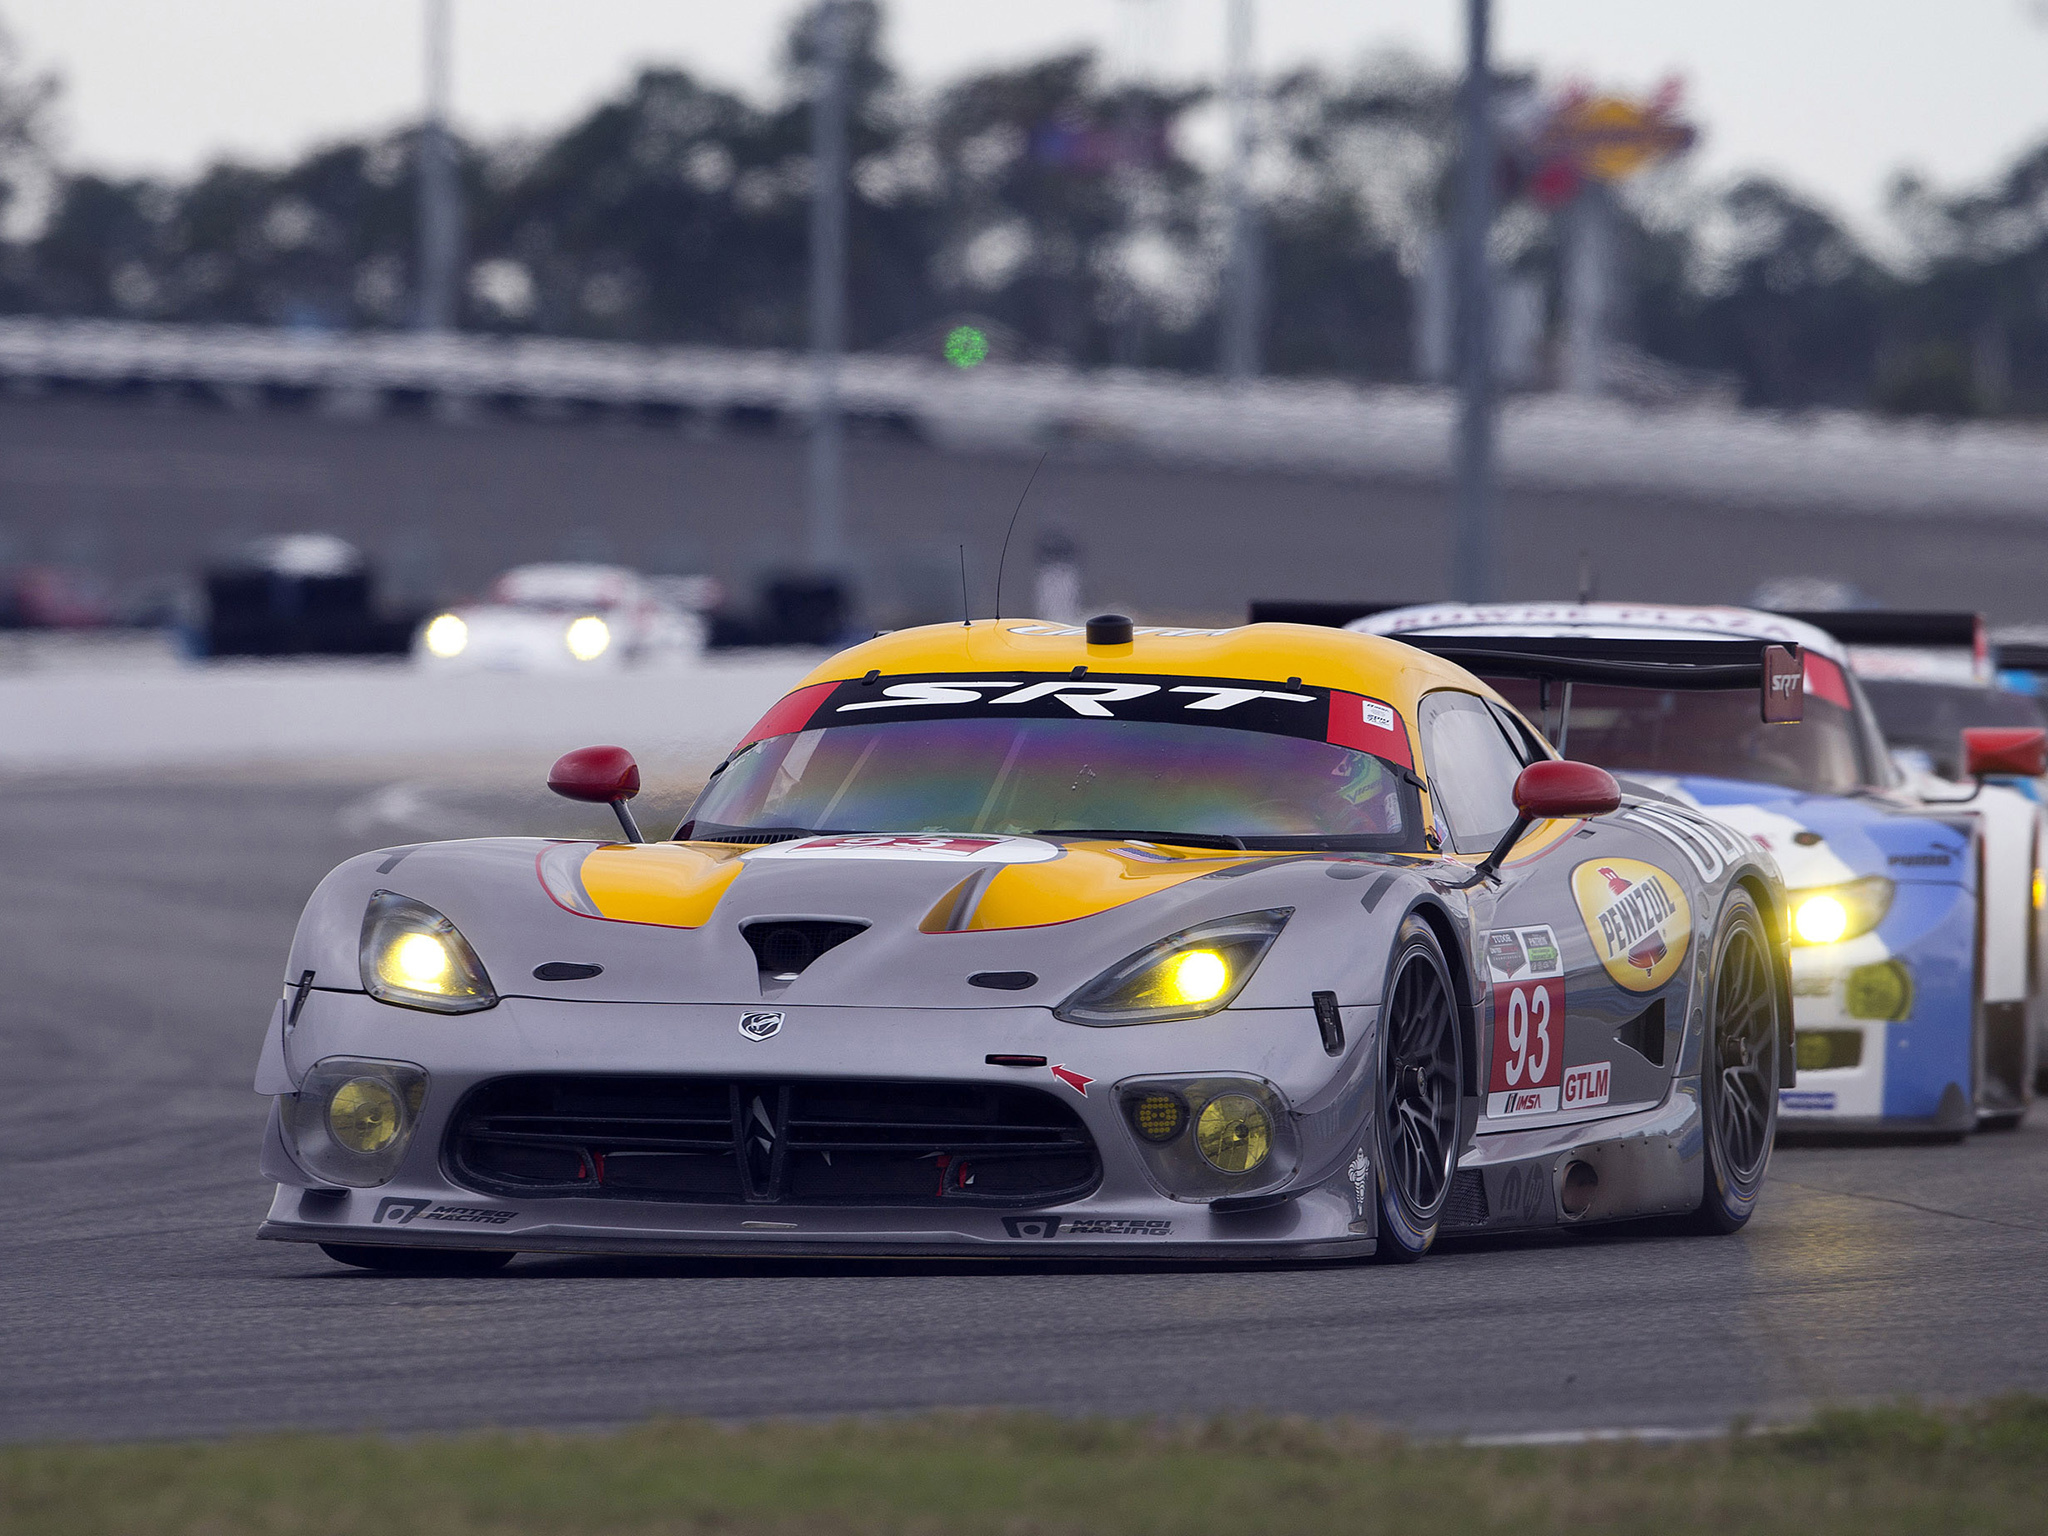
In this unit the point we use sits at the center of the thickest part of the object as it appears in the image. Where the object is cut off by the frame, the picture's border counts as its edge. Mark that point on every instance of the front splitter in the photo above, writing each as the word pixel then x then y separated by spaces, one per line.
pixel 770 1245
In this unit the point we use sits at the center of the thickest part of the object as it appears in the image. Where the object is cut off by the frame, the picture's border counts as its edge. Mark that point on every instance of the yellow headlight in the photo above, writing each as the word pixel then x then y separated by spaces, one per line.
pixel 1830 914
pixel 1880 991
pixel 1196 976
pixel 588 638
pixel 447 636
pixel 1820 920
pixel 419 961
pixel 1233 1133
pixel 364 1114
pixel 1158 1116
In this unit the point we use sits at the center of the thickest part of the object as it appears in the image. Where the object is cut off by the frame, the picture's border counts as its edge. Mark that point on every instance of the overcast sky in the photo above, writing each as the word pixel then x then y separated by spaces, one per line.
pixel 1833 95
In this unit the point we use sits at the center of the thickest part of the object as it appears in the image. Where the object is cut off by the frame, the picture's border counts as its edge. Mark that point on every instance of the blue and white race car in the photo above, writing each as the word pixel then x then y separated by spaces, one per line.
pixel 1913 958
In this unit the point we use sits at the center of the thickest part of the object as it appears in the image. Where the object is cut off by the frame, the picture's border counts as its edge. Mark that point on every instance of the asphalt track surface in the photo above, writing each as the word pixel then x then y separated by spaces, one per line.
pixel 145 927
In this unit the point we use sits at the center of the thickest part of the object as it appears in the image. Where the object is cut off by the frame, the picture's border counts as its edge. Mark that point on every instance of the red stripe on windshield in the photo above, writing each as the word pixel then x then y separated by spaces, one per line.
pixel 1367 725
pixel 791 713
pixel 1824 680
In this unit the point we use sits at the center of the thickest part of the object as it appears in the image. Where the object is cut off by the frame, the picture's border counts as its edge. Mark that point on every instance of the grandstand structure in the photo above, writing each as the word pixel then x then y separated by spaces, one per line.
pixel 1707 452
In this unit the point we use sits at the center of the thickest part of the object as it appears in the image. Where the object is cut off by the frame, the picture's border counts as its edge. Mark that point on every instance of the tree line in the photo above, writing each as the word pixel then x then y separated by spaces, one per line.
pixel 1058 207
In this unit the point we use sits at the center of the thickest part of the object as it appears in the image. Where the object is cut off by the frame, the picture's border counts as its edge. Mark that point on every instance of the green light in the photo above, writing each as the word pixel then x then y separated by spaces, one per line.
pixel 966 346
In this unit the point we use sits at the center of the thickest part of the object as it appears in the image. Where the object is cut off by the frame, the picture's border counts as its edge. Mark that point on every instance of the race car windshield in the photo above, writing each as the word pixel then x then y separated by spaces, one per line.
pixel 1100 777
pixel 1711 734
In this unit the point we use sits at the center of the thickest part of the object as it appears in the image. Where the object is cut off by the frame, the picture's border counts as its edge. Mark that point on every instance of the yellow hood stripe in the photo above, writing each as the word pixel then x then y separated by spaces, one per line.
pixel 1086 879
pixel 674 885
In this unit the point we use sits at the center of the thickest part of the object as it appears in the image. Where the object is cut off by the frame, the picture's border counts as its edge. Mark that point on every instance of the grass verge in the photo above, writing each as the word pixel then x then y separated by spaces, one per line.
pixel 1867 1472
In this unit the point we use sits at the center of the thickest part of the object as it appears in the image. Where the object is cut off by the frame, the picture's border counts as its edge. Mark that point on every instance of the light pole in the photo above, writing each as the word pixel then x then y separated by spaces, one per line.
pixel 440 206
pixel 1243 279
pixel 1472 549
pixel 828 286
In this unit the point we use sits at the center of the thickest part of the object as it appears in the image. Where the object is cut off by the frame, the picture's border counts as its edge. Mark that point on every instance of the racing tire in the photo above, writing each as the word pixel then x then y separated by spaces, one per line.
pixel 1417 1106
pixel 417 1261
pixel 1738 1070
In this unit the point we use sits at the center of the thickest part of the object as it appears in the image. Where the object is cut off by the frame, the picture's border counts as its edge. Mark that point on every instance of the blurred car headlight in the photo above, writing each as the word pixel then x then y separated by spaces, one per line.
pixel 1829 914
pixel 352 1118
pixel 413 956
pixel 447 636
pixel 1191 973
pixel 587 638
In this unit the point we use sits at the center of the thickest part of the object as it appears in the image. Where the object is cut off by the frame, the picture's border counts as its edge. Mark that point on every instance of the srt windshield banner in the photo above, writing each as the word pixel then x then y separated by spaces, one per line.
pixel 1280 709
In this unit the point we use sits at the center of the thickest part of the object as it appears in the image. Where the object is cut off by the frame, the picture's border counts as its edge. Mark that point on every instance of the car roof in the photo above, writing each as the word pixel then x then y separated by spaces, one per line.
pixel 1617 621
pixel 1379 668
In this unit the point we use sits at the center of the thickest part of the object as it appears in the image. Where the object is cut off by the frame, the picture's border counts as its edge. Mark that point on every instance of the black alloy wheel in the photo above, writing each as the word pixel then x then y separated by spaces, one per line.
pixel 417 1261
pixel 1738 1068
pixel 1419 1107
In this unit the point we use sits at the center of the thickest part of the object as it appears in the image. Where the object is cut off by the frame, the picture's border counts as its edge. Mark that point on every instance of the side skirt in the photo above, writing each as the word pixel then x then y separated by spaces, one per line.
pixel 1645 1164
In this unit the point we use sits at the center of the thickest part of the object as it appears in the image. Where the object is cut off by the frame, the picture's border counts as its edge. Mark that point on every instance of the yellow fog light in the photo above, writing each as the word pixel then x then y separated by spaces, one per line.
pixel 1820 920
pixel 1233 1133
pixel 418 961
pixel 1159 1117
pixel 1880 991
pixel 447 636
pixel 364 1114
pixel 1197 976
pixel 587 638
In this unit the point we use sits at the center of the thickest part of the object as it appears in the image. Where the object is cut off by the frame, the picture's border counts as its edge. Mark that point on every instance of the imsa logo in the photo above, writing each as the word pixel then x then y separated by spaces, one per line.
pixel 1637 917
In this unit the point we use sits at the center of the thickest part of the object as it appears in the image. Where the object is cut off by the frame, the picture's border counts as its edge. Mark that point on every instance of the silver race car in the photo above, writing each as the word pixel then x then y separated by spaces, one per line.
pixel 1021 939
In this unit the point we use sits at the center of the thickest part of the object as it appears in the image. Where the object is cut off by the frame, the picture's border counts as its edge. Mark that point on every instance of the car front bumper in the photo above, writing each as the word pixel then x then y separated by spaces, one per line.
pixel 1319 1210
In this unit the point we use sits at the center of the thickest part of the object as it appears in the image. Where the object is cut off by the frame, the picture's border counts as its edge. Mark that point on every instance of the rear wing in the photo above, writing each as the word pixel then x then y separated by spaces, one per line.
pixel 1908 645
pixel 2022 656
pixel 1281 610
pixel 1776 672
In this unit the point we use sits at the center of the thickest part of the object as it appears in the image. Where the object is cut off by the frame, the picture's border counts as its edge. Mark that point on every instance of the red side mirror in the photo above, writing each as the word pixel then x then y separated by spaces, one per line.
pixel 1545 790
pixel 603 776
pixel 600 775
pixel 2018 751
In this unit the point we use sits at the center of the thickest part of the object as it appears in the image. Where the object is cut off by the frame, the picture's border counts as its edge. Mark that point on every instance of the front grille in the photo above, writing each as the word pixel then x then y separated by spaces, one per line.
pixel 723 1141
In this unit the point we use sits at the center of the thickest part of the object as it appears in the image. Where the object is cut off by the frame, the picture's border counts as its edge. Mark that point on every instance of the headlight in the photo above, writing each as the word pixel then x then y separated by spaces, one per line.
pixel 447 636
pixel 1830 914
pixel 1880 991
pixel 413 956
pixel 1195 971
pixel 1233 1134
pixel 587 638
pixel 351 1119
pixel 1211 1138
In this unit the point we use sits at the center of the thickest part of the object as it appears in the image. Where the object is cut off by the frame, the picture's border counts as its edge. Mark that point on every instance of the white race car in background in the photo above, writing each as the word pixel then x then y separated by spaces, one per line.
pixel 1915 960
pixel 1930 677
pixel 569 617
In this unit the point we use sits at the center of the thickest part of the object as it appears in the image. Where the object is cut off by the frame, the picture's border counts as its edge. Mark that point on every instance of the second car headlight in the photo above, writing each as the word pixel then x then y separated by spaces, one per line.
pixel 1194 972
pixel 447 636
pixel 587 638
pixel 413 956
pixel 1829 914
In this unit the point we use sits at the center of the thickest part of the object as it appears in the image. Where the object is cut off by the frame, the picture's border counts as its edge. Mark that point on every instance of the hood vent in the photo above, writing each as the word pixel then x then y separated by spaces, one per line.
pixel 784 946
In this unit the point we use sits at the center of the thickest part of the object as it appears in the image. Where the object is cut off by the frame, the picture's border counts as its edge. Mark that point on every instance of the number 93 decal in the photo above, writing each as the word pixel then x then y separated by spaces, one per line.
pixel 1528 1022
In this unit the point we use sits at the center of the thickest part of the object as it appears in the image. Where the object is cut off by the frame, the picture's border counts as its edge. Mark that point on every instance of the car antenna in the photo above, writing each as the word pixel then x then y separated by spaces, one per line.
pixel 966 614
pixel 1005 555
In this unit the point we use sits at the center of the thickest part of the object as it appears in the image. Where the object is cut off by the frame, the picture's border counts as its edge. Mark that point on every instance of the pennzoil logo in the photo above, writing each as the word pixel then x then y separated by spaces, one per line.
pixel 1637 917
